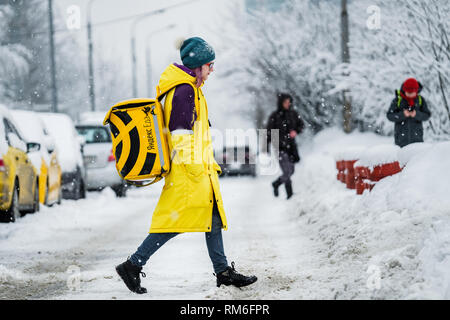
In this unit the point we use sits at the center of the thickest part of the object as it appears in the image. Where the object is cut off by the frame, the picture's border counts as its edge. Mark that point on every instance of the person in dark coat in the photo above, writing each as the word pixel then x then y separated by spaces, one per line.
pixel 408 110
pixel 289 124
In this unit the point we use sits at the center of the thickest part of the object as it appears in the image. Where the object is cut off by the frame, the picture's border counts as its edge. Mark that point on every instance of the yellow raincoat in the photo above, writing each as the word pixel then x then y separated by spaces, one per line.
pixel 186 201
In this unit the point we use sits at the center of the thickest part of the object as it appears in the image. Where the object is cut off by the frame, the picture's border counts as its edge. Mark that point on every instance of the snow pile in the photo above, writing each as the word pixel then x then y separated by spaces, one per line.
pixel 380 154
pixel 32 128
pixel 385 243
pixel 350 153
pixel 423 184
pixel 62 129
pixel 435 260
pixel 30 125
pixel 406 153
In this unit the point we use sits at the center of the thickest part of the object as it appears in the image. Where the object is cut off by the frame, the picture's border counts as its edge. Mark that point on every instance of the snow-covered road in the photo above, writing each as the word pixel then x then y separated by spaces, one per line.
pixel 41 253
pixel 324 243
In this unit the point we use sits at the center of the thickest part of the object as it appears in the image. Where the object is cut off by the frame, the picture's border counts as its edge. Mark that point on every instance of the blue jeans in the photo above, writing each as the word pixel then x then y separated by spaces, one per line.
pixel 214 242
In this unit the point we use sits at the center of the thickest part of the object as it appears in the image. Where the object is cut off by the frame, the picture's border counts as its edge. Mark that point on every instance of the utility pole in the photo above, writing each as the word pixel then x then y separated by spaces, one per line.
pixel 346 97
pixel 52 58
pixel 90 57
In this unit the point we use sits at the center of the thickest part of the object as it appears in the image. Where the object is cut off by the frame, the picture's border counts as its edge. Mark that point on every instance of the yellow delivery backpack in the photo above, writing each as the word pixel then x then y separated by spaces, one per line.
pixel 139 138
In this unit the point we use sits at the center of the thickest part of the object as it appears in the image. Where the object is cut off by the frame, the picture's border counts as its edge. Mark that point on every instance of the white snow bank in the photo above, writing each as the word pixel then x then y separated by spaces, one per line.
pixel 350 153
pixel 435 260
pixel 389 235
pixel 406 153
pixel 379 154
pixel 424 183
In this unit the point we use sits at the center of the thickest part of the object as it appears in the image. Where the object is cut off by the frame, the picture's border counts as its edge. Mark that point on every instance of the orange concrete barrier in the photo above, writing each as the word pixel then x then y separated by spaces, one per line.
pixel 340 166
pixel 361 175
pixel 385 170
pixel 350 174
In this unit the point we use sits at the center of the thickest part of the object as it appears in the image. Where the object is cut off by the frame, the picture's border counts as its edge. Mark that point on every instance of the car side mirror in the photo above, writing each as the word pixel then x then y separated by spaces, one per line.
pixel 50 144
pixel 33 147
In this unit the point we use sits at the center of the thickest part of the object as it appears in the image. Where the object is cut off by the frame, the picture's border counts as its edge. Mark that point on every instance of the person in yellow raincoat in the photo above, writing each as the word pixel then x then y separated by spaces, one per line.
pixel 190 200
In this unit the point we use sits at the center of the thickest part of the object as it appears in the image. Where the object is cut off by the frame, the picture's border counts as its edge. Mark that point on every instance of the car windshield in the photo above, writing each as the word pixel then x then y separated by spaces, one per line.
pixel 94 134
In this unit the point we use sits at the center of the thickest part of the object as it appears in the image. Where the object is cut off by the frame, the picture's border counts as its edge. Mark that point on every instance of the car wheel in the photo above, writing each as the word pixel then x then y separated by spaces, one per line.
pixel 59 196
pixel 120 190
pixel 82 191
pixel 46 195
pixel 13 213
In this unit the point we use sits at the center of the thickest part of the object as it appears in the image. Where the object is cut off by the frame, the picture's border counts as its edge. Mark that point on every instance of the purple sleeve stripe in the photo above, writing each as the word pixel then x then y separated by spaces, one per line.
pixel 183 112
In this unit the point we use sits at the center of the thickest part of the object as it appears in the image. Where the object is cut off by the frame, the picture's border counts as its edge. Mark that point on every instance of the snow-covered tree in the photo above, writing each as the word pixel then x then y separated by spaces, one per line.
pixel 412 41
pixel 27 28
pixel 292 50
pixel 27 35
pixel 13 57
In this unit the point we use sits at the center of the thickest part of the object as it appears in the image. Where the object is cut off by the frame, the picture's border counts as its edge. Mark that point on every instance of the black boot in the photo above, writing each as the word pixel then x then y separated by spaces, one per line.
pixel 130 275
pixel 230 276
pixel 288 186
pixel 276 184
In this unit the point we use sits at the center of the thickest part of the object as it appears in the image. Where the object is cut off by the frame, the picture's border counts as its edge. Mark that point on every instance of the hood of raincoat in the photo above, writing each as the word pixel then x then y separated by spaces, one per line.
pixel 174 76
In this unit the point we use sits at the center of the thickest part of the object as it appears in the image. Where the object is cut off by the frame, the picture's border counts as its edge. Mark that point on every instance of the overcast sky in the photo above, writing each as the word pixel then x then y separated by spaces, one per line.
pixel 196 18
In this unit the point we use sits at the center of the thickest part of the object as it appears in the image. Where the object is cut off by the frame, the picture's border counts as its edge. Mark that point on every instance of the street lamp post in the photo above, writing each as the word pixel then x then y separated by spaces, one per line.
pixel 90 56
pixel 148 57
pixel 54 107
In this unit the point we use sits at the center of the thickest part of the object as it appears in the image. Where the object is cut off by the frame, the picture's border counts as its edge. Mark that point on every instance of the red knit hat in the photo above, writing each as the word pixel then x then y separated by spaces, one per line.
pixel 411 85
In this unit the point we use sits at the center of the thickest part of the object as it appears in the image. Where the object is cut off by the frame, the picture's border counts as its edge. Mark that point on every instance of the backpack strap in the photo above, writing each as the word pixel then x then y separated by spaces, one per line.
pixel 134 183
pixel 399 99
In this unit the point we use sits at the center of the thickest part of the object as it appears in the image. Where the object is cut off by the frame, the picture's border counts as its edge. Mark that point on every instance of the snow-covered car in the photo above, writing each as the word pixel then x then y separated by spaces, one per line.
pixel 237 160
pixel 99 157
pixel 19 190
pixel 69 146
pixel 45 160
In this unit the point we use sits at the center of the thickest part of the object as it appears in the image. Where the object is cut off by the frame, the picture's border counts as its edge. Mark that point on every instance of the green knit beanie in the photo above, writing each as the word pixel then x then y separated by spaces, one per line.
pixel 195 52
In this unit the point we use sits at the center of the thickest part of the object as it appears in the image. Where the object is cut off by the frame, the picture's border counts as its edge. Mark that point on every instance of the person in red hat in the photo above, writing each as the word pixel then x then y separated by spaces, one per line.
pixel 408 110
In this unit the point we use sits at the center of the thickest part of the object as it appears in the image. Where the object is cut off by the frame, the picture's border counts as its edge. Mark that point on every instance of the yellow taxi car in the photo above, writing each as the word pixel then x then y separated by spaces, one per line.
pixel 45 159
pixel 19 190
